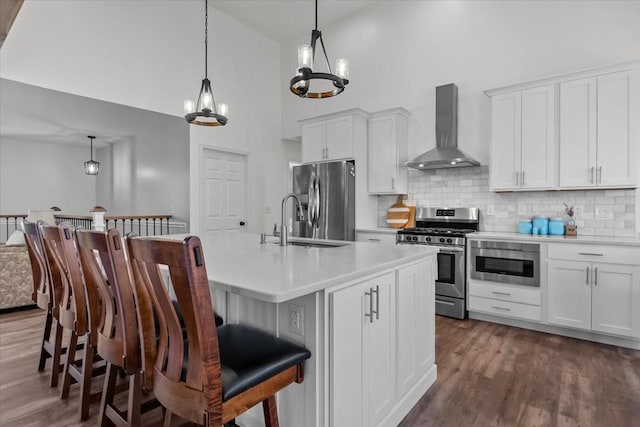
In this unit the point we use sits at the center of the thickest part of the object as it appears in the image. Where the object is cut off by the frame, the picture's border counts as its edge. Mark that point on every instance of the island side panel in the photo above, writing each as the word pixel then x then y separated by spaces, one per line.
pixel 298 404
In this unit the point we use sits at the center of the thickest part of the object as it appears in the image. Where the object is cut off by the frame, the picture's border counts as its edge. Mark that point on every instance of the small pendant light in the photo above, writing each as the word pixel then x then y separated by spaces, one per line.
pixel 91 167
pixel 205 112
pixel 301 82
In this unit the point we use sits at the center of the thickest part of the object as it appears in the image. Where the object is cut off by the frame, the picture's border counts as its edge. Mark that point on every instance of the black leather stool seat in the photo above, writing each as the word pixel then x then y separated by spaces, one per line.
pixel 250 356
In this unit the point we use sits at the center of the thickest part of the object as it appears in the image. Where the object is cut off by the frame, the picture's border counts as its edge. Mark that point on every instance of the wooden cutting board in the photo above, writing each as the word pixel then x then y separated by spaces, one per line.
pixel 398 214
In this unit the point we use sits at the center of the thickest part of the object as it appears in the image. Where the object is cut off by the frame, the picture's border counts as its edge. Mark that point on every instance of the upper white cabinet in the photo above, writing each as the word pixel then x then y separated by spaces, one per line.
pixel 332 137
pixel 388 151
pixel 522 140
pixel 598 132
pixel 579 130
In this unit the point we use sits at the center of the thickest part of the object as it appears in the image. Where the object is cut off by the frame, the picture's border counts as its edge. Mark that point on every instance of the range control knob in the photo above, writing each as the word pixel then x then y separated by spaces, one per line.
pixel 441 240
pixel 449 240
pixel 428 239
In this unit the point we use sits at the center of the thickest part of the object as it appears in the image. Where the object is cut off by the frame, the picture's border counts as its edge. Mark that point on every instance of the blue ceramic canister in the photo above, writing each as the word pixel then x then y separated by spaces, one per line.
pixel 525 227
pixel 542 224
pixel 556 226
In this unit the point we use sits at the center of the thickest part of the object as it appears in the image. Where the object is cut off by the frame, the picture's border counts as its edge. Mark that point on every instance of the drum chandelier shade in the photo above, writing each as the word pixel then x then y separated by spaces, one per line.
pixel 305 76
pixel 205 112
pixel 91 167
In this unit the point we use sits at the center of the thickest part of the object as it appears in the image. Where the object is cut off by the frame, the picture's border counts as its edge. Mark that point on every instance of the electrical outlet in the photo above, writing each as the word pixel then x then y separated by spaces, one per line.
pixel 491 210
pixel 296 319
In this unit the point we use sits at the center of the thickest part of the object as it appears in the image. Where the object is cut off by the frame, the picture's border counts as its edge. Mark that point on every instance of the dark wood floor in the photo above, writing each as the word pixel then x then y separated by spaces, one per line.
pixel 495 375
pixel 488 374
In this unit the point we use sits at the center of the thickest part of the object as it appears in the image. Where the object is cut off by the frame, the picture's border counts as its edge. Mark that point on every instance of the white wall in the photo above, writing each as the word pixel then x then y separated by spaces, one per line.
pixel 150 55
pixel 38 175
pixel 400 50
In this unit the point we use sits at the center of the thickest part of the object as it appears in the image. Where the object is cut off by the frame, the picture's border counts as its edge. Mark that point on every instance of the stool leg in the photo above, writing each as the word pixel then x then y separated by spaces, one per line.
pixel 55 359
pixel 70 360
pixel 45 338
pixel 270 412
pixel 135 399
pixel 107 394
pixel 87 374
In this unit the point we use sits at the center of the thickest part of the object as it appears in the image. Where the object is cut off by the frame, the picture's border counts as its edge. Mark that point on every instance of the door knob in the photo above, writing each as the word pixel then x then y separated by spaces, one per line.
pixel 242 223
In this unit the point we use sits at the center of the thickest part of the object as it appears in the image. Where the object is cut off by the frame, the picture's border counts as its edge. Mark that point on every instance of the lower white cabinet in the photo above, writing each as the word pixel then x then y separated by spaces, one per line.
pixel 601 297
pixel 517 301
pixel 382 347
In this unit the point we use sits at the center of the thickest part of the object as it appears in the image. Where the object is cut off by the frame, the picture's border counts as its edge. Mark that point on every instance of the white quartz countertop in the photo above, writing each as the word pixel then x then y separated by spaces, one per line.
pixel 591 240
pixel 240 264
pixel 386 230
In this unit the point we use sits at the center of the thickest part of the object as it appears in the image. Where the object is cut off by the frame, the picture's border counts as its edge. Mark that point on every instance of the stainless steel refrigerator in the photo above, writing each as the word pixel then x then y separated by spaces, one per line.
pixel 327 192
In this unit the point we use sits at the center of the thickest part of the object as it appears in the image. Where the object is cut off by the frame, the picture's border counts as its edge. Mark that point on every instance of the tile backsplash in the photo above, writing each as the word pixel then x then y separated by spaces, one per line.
pixel 598 212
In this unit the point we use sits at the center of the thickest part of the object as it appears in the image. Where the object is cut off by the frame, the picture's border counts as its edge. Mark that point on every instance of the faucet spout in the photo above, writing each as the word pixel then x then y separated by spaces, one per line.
pixel 283 227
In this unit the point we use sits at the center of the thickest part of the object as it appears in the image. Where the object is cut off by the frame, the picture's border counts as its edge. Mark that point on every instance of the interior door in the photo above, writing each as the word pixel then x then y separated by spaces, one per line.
pixel 223 206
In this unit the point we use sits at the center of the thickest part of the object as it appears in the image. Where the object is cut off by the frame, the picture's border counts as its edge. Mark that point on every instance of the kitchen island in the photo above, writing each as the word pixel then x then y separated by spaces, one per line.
pixel 365 311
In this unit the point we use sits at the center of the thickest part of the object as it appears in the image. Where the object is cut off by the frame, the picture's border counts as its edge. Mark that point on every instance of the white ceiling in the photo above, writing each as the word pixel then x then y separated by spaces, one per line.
pixel 282 20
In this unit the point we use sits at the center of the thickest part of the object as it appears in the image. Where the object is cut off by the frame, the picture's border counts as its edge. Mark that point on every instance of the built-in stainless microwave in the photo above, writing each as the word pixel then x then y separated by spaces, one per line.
pixel 505 262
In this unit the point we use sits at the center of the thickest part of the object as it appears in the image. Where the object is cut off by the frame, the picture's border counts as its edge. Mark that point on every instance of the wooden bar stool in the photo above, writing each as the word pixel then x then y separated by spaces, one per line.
pixel 105 268
pixel 47 283
pixel 217 373
pixel 79 312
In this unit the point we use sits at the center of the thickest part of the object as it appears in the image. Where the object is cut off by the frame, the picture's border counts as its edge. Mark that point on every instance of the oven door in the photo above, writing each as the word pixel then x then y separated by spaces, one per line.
pixel 505 266
pixel 450 280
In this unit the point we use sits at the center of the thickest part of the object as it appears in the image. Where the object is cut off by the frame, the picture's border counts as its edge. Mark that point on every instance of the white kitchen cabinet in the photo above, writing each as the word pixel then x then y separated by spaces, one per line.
pixel 523 140
pixel 332 137
pixel 598 133
pixel 363 352
pixel 593 295
pixel 415 353
pixel 388 151
pixel 388 238
pixel 516 301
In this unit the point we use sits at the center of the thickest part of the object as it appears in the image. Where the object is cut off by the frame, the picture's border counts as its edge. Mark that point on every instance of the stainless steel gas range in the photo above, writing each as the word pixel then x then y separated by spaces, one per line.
pixel 446 228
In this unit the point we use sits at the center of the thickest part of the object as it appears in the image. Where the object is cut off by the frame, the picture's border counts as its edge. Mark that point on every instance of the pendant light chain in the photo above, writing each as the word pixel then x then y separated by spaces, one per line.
pixel 206 36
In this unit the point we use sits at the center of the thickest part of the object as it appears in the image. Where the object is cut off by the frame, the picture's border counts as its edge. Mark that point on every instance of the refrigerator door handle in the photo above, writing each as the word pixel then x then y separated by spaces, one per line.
pixel 312 199
pixel 316 195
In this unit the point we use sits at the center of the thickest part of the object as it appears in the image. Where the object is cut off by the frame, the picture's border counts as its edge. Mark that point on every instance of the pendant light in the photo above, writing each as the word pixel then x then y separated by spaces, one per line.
pixel 205 112
pixel 301 82
pixel 91 167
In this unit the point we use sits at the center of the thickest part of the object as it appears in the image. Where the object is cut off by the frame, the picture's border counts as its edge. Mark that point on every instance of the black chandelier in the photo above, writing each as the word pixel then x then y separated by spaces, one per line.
pixel 205 112
pixel 301 82
pixel 91 167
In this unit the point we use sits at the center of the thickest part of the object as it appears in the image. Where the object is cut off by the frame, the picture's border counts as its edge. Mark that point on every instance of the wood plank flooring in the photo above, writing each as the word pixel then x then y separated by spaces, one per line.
pixel 488 375
pixel 496 375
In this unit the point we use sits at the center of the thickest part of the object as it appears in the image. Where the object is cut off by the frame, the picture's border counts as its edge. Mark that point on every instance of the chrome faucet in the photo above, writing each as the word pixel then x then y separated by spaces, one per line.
pixel 283 226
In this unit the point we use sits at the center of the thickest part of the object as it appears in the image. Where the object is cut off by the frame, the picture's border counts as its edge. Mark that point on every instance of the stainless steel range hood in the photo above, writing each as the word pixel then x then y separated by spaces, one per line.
pixel 446 154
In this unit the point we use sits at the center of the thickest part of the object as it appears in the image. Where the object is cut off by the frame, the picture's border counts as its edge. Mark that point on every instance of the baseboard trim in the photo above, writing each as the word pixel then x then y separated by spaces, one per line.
pixel 19 308
pixel 556 330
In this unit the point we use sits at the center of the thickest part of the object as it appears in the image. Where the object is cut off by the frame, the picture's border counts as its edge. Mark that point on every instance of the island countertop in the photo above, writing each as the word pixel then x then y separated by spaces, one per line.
pixel 240 264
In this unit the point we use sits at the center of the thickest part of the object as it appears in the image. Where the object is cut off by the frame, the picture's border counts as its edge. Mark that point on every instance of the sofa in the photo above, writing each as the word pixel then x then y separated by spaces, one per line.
pixel 16 282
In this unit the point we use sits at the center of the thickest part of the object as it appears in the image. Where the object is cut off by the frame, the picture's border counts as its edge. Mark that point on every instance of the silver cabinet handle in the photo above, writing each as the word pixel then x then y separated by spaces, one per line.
pixel 587 282
pixel 327 150
pixel 599 180
pixel 591 174
pixel 445 303
pixel 369 293
pixel 501 308
pixel 590 254
pixel 393 183
pixel 595 276
pixel 501 293
pixel 377 291
pixel 523 178
pixel 374 240
pixel 517 178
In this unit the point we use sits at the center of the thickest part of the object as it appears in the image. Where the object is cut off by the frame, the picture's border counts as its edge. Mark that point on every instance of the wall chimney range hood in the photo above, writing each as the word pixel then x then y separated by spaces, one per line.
pixel 446 154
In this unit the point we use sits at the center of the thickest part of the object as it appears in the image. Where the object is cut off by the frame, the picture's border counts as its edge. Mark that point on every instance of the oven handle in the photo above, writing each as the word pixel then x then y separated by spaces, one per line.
pixel 449 249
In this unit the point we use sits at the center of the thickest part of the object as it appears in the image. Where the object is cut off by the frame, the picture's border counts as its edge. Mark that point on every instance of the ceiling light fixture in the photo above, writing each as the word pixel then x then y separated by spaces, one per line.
pixel 301 82
pixel 91 167
pixel 205 112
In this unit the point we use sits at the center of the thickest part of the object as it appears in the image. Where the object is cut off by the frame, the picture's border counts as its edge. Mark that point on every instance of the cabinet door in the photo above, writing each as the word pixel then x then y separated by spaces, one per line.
pixel 616 299
pixel 415 323
pixel 383 161
pixel 617 158
pixel 379 354
pixel 538 138
pixel 346 356
pixel 569 293
pixel 340 138
pixel 578 133
pixel 505 141
pixel 314 136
